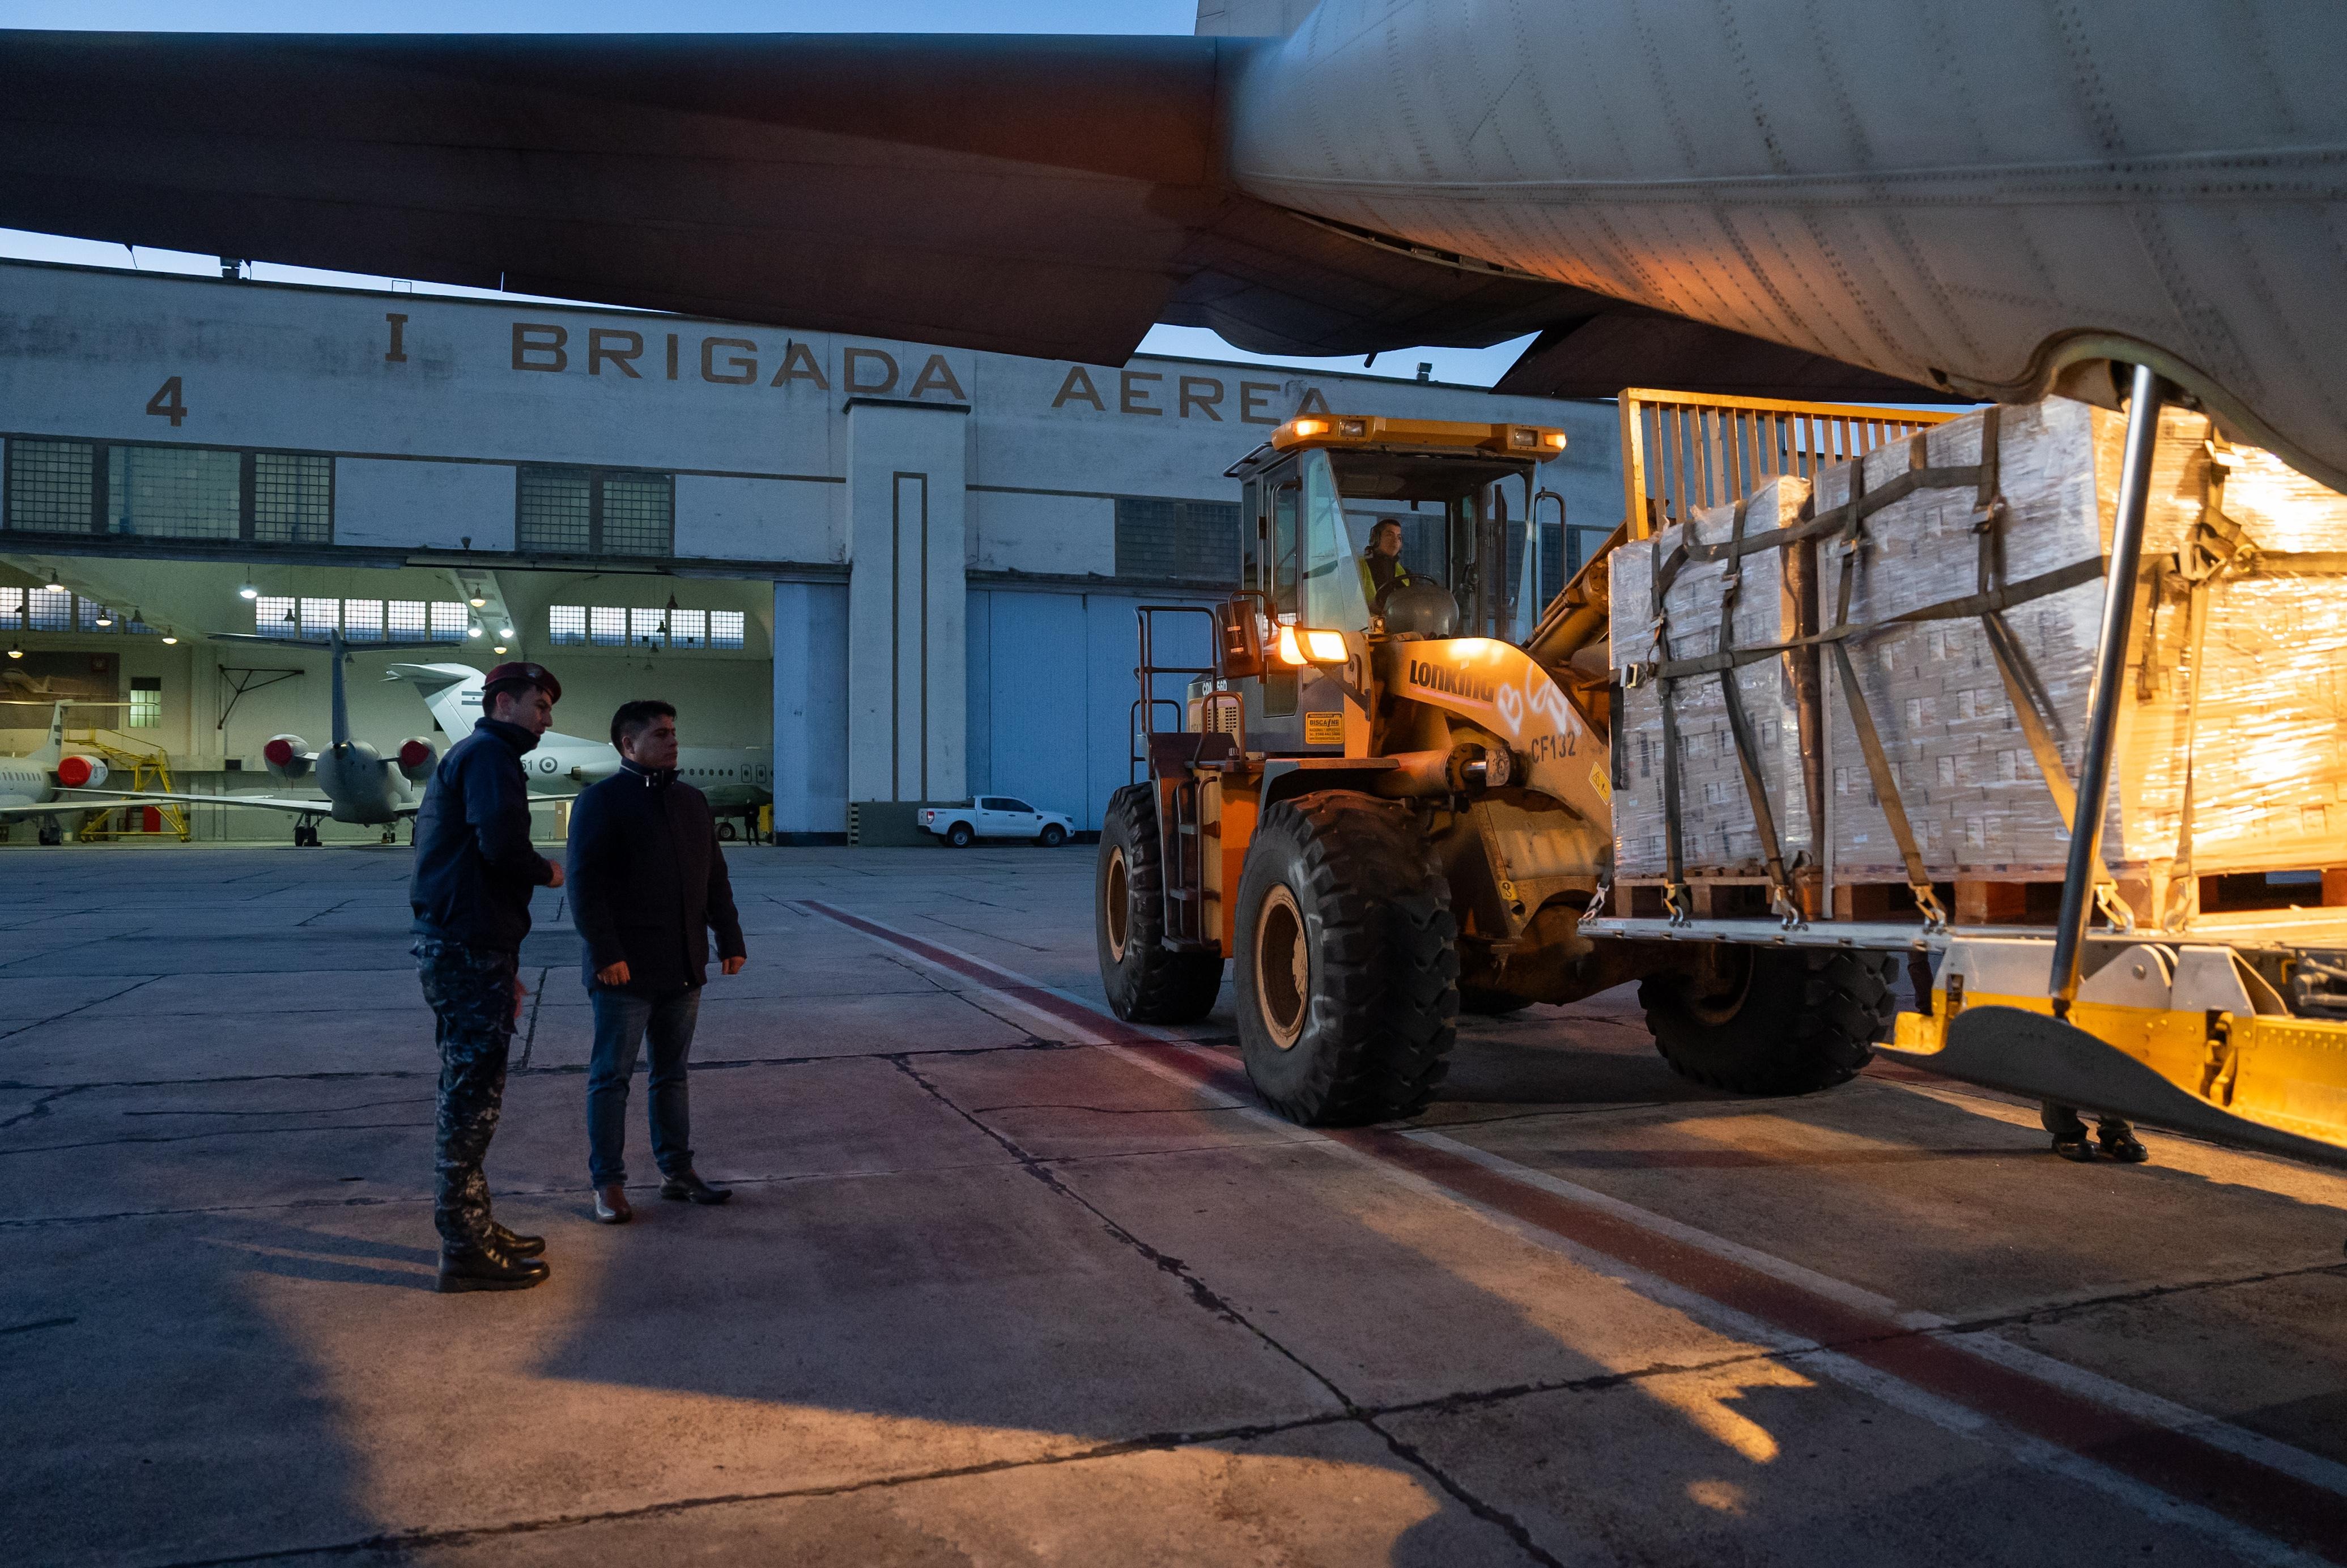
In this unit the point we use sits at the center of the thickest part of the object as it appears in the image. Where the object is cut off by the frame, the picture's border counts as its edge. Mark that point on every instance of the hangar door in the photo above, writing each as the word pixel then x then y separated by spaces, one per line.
pixel 1051 692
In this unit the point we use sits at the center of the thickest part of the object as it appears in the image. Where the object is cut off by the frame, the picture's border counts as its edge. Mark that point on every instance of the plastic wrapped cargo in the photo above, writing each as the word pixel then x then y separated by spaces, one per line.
pixel 2231 755
pixel 1720 832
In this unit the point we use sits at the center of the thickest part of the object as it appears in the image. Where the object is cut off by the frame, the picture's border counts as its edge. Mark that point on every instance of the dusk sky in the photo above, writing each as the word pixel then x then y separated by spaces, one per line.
pixel 1466 366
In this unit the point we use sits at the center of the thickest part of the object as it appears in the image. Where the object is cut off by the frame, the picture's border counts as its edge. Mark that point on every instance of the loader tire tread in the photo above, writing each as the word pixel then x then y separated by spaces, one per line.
pixel 1383 1016
pixel 1152 984
pixel 1809 1021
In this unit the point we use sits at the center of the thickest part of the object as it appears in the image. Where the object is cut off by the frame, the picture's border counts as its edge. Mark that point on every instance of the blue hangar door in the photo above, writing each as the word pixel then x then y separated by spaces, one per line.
pixel 1051 692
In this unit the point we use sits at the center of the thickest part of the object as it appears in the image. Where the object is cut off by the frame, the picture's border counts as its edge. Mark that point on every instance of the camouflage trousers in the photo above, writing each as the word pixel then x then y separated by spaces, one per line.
pixel 471 990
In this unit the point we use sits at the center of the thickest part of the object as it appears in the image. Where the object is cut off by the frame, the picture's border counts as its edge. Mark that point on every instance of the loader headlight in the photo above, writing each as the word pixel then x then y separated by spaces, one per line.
pixel 1310 647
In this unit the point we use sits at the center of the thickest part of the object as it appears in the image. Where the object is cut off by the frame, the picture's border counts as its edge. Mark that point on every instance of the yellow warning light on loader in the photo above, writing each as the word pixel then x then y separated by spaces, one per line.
pixel 1539 442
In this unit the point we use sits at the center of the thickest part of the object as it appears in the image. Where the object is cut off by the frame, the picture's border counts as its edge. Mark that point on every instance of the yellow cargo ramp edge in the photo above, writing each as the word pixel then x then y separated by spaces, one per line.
pixel 2173 1033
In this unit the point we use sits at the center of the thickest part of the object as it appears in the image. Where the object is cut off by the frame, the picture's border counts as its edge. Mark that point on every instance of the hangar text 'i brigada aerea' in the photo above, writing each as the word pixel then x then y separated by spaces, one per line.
pixel 910 571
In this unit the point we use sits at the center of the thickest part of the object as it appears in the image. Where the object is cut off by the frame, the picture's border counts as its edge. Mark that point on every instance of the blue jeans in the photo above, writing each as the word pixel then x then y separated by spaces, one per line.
pixel 622 1021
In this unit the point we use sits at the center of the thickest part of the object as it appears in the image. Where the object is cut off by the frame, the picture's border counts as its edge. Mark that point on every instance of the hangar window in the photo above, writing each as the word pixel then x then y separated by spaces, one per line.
pixel 173 492
pixel 361 620
pixel 50 485
pixel 292 499
pixel 1194 541
pixel 619 626
pixel 594 511
pixel 170 492
pixel 146 701
pixel 48 610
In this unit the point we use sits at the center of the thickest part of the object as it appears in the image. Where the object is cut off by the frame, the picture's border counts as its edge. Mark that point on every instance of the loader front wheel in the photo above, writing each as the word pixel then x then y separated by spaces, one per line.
pixel 1347 970
pixel 1760 1021
pixel 1146 981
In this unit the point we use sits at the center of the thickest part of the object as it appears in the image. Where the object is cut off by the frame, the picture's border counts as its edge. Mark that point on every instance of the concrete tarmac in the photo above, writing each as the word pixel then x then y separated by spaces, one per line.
pixel 1007 1282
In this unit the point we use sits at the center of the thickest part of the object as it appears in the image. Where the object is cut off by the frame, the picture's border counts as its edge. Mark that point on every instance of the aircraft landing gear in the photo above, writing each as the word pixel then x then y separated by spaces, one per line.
pixel 391 832
pixel 305 836
pixel 52 831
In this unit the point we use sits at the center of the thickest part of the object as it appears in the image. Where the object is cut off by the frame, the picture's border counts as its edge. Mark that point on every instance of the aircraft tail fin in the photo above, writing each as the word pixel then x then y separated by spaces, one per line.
pixel 53 750
pixel 452 693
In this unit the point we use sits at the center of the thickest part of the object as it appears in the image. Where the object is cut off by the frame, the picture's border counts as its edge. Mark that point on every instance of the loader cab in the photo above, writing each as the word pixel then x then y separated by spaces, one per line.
pixel 1312 497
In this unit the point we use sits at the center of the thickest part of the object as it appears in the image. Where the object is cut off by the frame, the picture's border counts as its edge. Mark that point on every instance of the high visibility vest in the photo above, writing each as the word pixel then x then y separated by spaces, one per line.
pixel 1401 579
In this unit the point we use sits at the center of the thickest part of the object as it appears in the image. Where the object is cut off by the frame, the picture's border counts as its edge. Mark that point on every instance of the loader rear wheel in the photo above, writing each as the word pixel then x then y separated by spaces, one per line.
pixel 1759 1021
pixel 1347 968
pixel 1146 981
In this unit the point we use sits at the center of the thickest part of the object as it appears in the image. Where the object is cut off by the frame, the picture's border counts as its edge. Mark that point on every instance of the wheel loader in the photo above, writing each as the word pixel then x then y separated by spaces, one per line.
pixel 1387 812
pixel 1384 810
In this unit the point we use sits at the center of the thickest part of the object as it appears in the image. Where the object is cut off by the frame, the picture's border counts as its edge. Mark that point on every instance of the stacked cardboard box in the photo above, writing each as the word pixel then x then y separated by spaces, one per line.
pixel 2267 753
pixel 1719 835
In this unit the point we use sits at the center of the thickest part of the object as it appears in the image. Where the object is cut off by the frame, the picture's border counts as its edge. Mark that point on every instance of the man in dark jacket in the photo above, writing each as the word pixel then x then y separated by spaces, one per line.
pixel 648 885
pixel 475 874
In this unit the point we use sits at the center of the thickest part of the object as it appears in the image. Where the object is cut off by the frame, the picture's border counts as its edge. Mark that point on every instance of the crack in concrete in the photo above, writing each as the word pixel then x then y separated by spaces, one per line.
pixel 56 1017
pixel 39 1107
pixel 1116 1109
pixel 537 1000
pixel 410 1541
pixel 319 1110
pixel 2055 1312
pixel 43 1323
pixel 1205 1295
pixel 221 1132
pixel 324 913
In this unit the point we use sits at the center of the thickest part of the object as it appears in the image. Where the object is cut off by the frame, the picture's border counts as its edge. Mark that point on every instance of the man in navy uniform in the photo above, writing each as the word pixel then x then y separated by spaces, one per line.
pixel 475 874
pixel 647 886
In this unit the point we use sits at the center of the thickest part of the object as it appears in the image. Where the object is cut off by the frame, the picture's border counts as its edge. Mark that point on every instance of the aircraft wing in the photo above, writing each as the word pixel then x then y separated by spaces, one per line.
pixel 1043 195
pixel 61 807
pixel 290 804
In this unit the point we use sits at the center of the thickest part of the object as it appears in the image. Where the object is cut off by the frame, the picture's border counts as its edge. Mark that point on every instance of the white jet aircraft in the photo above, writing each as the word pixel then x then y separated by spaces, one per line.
pixel 39 783
pixel 737 780
pixel 358 783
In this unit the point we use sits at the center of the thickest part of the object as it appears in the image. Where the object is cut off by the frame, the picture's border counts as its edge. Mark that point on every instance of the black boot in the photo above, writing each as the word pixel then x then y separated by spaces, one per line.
pixel 515 1242
pixel 2119 1142
pixel 486 1266
pixel 687 1186
pixel 2069 1132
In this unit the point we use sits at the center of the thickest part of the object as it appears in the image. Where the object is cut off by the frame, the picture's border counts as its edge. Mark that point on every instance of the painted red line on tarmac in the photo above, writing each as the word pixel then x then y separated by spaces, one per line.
pixel 2174 1463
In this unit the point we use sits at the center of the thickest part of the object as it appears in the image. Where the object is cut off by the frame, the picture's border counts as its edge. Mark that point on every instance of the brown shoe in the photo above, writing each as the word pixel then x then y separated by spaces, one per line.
pixel 611 1205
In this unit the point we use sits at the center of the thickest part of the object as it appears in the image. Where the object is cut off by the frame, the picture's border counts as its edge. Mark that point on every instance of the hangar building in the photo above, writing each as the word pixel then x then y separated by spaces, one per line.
pixel 910 571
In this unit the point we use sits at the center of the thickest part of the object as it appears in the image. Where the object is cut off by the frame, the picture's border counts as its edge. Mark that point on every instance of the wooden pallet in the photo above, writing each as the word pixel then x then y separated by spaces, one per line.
pixel 1971 902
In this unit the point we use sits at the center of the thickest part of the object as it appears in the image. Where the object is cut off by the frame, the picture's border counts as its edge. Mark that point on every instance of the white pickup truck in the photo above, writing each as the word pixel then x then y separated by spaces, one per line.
pixel 995 817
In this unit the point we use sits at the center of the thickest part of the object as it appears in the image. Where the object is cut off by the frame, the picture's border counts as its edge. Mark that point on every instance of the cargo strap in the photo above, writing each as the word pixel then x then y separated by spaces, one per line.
pixel 1678 898
pixel 1877 764
pixel 2217 544
pixel 1740 726
pixel 2031 706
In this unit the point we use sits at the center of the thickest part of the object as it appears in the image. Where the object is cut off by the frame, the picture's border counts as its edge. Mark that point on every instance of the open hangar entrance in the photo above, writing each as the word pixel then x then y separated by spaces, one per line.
pixel 133 645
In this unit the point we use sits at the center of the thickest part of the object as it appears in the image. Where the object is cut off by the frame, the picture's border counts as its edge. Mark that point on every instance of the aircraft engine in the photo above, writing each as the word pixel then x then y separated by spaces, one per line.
pixel 417 758
pixel 81 772
pixel 288 757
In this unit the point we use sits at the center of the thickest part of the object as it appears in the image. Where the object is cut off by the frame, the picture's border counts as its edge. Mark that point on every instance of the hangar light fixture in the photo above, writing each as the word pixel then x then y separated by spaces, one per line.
pixel 473 631
pixel 170 638
pixel 501 647
pixel 104 617
pixel 248 592
pixel 505 631
pixel 16 651
pixel 478 602
pixel 53 585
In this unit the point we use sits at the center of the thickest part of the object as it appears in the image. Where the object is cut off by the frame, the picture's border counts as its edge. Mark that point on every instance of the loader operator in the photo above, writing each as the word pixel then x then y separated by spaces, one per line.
pixel 1381 567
